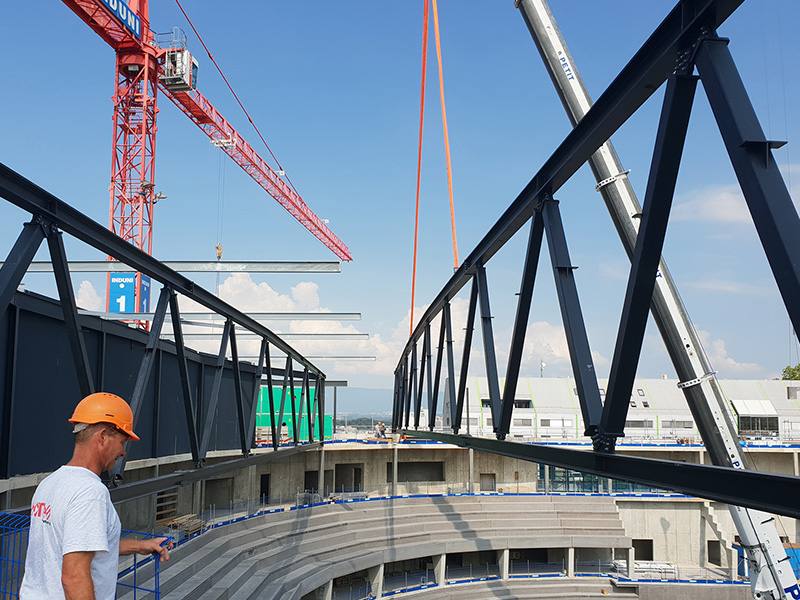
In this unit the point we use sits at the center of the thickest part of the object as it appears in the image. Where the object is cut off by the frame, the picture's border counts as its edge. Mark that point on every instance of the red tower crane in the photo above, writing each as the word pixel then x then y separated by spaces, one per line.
pixel 144 65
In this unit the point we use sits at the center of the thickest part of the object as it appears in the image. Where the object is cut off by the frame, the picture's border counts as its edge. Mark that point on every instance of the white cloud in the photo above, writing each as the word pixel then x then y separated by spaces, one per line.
pixel 87 297
pixel 723 203
pixel 725 365
pixel 719 204
pixel 543 341
pixel 240 291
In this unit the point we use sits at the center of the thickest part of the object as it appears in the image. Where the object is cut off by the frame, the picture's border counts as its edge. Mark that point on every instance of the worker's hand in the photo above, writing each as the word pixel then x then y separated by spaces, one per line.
pixel 161 546
pixel 149 546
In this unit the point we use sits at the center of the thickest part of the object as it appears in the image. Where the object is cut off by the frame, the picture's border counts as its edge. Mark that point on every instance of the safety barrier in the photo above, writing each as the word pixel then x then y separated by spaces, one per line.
pixel 14 544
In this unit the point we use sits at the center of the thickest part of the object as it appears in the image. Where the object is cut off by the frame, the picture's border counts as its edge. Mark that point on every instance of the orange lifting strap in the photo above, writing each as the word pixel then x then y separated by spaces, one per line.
pixel 446 145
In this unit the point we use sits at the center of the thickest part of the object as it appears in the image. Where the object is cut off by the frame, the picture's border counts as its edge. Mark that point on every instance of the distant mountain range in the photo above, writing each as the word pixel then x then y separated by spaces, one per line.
pixel 359 401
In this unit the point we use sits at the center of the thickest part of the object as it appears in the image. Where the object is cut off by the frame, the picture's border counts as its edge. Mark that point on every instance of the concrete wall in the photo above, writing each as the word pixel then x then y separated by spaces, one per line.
pixel 677 591
pixel 679 528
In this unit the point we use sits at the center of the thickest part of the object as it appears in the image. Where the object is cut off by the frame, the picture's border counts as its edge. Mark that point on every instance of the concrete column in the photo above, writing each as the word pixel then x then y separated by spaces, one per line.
pixel 197 496
pixel 570 562
pixel 733 560
pixel 394 468
pixel 547 479
pixel 502 559
pixel 700 457
pixel 535 478
pixel 375 575
pixel 321 472
pixel 471 486
pixel 252 489
pixel 334 411
pixel 610 486
pixel 326 591
pixel 439 564
pixel 796 465
pixel 631 562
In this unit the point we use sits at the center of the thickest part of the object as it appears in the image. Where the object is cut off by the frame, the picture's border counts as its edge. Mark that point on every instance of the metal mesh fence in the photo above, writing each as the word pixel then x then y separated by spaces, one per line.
pixel 137 576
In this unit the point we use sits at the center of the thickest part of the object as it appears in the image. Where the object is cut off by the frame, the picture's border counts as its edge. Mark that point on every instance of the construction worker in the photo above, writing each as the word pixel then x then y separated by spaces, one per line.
pixel 74 540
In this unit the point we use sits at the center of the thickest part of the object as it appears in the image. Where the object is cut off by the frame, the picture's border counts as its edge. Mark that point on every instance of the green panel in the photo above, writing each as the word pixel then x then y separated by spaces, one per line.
pixel 263 416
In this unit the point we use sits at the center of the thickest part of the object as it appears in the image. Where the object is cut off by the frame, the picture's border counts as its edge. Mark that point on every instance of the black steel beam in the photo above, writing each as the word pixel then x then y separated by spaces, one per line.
pixel 433 399
pixel 490 359
pixel 306 390
pixel 251 428
pixel 147 487
pixel 451 368
pixel 183 369
pixel 413 387
pixel 143 376
pixel 524 300
pixel 421 383
pixel 293 403
pixel 429 367
pixel 770 203
pixel 640 78
pixel 237 384
pixel 770 492
pixel 271 402
pixel 208 422
pixel 27 195
pixel 579 352
pixel 395 398
pixel 21 255
pixel 457 407
pixel 66 294
pixel 672 127
pixel 319 393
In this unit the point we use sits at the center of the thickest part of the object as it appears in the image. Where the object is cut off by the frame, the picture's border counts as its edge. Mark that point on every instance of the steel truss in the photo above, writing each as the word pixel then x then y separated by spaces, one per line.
pixel 51 216
pixel 685 41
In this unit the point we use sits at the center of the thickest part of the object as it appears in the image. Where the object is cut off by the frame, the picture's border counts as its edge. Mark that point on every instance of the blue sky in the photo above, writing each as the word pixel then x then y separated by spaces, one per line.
pixel 334 88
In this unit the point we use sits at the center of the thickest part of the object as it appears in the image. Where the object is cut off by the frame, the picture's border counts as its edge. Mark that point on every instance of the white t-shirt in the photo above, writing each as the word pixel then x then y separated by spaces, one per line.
pixel 71 511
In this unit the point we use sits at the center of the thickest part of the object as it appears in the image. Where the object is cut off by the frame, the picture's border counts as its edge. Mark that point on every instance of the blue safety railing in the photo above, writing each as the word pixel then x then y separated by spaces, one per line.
pixel 133 579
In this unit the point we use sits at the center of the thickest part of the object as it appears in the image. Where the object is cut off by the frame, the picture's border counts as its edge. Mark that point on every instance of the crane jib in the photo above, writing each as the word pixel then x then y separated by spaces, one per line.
pixel 129 18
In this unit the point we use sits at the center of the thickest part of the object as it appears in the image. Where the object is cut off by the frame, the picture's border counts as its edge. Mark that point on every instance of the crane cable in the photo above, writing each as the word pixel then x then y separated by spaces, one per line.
pixel 446 137
pixel 419 153
pixel 419 158
pixel 247 114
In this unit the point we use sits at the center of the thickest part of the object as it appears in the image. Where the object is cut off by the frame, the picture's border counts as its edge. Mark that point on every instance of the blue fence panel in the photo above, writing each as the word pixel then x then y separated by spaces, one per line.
pixel 14 544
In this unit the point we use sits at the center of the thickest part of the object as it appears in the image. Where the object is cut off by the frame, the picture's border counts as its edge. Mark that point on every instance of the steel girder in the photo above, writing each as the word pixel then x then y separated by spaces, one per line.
pixel 641 77
pixel 146 487
pixel 769 492
pixel 684 40
pixel 677 107
pixel 50 217
pixel 28 196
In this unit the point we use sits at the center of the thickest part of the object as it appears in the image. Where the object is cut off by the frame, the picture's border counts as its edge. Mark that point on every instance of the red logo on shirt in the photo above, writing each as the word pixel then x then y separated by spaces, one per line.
pixel 40 509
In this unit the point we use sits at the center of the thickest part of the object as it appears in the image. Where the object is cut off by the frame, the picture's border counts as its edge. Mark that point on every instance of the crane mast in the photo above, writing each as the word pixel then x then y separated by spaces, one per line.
pixel 133 157
pixel 771 573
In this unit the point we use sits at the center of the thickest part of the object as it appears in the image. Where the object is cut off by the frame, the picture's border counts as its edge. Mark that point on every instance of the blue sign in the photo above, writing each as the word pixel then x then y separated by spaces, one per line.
pixel 121 292
pixel 129 18
pixel 144 294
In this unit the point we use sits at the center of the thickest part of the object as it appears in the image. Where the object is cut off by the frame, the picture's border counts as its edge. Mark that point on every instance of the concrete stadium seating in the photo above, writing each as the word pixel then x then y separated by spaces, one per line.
pixel 290 554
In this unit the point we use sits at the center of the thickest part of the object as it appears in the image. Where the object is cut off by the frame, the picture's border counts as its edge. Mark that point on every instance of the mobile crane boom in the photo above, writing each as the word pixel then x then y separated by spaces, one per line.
pixel 771 573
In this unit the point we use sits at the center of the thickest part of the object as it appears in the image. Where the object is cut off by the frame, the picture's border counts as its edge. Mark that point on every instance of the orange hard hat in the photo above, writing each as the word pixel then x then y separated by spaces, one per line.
pixel 103 407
